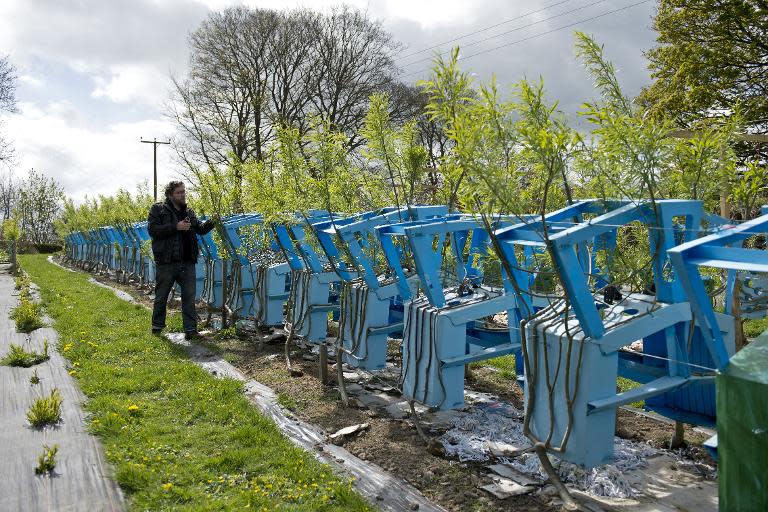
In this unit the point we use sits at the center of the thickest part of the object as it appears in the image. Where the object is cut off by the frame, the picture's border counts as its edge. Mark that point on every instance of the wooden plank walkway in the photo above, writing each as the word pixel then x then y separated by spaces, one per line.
pixel 81 480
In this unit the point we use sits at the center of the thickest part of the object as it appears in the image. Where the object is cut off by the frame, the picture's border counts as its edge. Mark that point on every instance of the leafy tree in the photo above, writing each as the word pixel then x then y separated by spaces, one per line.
pixel 398 151
pixel 255 70
pixel 38 207
pixel 751 191
pixel 711 56
pixel 121 208
pixel 631 155
pixel 7 101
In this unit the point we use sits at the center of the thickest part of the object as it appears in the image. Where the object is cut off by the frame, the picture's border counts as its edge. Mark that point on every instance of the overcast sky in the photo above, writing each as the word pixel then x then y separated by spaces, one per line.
pixel 94 74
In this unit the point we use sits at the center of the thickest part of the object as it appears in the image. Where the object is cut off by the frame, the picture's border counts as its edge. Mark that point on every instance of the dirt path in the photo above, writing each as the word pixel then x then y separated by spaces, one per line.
pixel 81 479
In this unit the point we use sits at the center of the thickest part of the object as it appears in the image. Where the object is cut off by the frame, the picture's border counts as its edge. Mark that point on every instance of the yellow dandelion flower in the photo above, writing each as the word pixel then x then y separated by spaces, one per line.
pixel 167 487
pixel 133 408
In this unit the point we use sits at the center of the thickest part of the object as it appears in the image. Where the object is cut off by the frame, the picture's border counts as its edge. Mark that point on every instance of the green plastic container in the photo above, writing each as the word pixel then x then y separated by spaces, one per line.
pixel 742 430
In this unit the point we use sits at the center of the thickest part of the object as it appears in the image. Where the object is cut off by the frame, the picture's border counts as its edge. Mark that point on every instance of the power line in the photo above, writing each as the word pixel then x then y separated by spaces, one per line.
pixel 473 43
pixel 485 29
pixel 534 36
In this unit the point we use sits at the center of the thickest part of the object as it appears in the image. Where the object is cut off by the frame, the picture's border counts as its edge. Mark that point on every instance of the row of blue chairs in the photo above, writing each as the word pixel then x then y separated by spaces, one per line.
pixel 444 281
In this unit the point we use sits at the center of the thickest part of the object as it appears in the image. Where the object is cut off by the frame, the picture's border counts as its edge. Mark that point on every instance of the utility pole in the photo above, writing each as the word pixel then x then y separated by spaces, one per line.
pixel 154 143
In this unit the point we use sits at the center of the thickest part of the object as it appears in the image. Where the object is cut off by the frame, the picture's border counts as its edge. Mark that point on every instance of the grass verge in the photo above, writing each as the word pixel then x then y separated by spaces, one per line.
pixel 179 439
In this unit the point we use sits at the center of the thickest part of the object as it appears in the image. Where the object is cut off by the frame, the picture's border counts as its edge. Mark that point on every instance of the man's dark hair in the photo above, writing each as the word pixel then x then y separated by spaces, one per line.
pixel 169 188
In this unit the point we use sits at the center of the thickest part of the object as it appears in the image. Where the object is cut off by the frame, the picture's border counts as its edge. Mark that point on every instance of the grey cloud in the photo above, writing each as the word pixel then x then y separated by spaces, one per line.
pixel 99 34
pixel 104 33
pixel 625 34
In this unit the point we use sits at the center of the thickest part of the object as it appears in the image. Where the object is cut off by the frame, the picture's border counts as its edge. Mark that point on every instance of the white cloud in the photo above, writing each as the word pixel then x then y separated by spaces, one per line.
pixel 84 160
pixel 427 13
pixel 31 81
pixel 132 83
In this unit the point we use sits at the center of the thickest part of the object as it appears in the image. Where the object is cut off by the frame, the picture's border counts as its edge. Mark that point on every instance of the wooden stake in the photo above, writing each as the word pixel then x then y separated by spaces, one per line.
pixel 323 363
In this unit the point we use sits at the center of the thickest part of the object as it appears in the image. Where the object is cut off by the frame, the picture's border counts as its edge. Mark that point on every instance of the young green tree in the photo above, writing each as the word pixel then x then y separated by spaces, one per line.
pixel 397 151
pixel 38 207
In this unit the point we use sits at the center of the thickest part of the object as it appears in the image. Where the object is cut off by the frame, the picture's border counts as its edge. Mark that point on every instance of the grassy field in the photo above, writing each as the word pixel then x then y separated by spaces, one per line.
pixel 178 438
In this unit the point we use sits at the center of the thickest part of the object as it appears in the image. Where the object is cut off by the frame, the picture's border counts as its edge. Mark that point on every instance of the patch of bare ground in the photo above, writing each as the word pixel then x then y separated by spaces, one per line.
pixel 390 443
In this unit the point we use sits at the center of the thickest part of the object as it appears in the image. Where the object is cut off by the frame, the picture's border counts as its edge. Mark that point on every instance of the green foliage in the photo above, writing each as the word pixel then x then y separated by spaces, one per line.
pixel 755 327
pixel 18 356
pixel 750 192
pixel 22 282
pixel 397 151
pixel 26 315
pixel 632 155
pixel 623 385
pixel 450 100
pixel 505 365
pixel 34 378
pixel 626 153
pixel 117 210
pixel 710 55
pixel 314 171
pixel 176 436
pixel 46 462
pixel 287 401
pixel 46 410
pixel 10 229
pixel 37 208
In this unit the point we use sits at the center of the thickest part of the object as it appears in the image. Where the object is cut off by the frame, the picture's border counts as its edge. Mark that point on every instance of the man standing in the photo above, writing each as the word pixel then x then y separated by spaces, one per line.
pixel 173 227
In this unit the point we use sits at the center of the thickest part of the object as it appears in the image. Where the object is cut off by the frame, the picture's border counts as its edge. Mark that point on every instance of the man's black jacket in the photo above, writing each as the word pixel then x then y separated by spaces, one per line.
pixel 167 241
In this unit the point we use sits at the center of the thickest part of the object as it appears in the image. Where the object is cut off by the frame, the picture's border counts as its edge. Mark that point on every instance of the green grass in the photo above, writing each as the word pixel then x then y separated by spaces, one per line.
pixel 22 282
pixel 34 378
pixel 287 401
pixel 46 410
pixel 756 327
pixel 178 438
pixel 46 462
pixel 625 385
pixel 505 365
pixel 26 315
pixel 18 356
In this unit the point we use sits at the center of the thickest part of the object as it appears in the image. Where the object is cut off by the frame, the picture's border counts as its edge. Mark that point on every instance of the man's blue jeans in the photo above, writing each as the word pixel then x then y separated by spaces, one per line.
pixel 166 275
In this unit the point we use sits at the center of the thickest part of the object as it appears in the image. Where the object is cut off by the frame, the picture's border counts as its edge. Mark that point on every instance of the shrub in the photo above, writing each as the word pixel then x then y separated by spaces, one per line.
pixel 46 410
pixel 34 379
pixel 18 356
pixel 46 462
pixel 22 281
pixel 27 315
pixel 755 327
